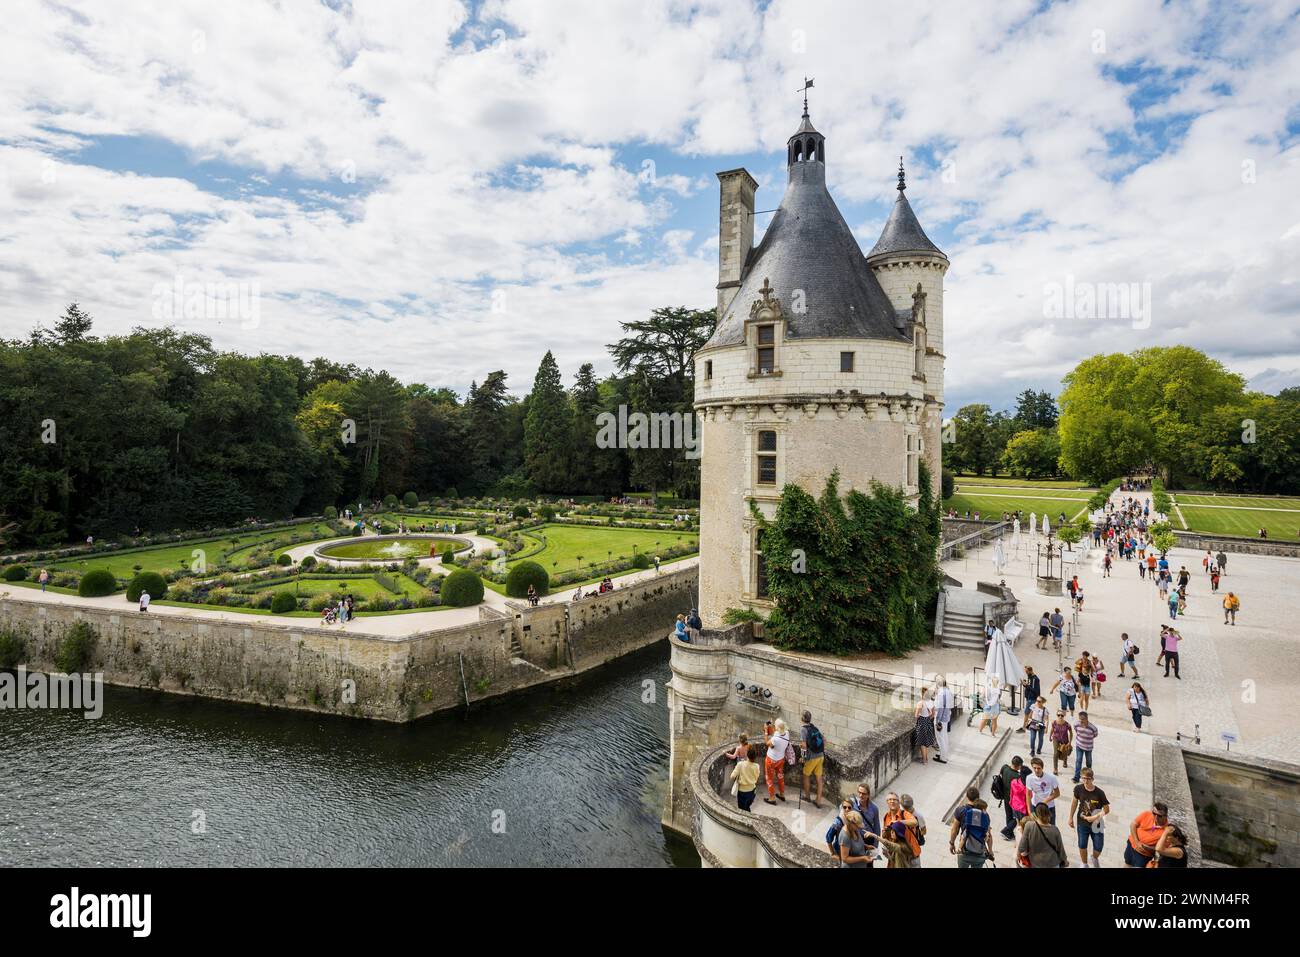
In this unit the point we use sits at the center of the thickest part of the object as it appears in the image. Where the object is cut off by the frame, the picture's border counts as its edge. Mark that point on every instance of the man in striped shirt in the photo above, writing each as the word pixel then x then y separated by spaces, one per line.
pixel 1085 733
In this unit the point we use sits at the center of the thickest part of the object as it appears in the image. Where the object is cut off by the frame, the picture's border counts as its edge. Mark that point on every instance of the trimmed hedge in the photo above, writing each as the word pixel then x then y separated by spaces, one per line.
pixel 308 561
pixel 331 512
pixel 390 501
pixel 524 574
pixel 520 511
pixel 461 589
pixel 449 555
pixel 284 559
pixel 283 602
pixel 641 560
pixel 97 583
pixel 151 582
pixel 15 573
pixel 410 500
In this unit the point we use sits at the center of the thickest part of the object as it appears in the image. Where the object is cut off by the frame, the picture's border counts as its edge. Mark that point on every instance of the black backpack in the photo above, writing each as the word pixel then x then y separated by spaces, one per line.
pixel 998 786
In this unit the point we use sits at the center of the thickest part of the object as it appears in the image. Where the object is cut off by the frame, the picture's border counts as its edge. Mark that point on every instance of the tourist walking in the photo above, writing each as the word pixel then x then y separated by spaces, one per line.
pixel 44 578
pixel 1144 834
pixel 745 774
pixel 1001 788
pixel 1085 735
pixel 1068 690
pixel 1170 643
pixel 1040 842
pixel 972 824
pixel 924 713
pixel 1033 687
pixel 778 743
pixel 1088 810
pixel 943 705
pixel 1037 723
pixel 1098 676
pixel 1058 628
pixel 144 601
pixel 1221 560
pixel 1128 655
pixel 1061 737
pixel 1083 677
pixel 814 752
pixel 1139 705
pixel 1044 630
pixel 992 705
pixel 1043 787
pixel 1230 605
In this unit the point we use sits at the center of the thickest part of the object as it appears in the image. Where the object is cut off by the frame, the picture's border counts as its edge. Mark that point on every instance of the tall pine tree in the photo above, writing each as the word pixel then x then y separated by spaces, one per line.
pixel 548 430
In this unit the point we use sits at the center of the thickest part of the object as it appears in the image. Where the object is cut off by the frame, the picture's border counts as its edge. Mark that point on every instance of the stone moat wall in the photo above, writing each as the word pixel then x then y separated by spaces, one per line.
pixel 348 672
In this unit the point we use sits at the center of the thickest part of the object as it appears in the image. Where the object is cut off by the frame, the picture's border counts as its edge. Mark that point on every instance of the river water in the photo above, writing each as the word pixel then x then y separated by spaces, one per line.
pixel 554 777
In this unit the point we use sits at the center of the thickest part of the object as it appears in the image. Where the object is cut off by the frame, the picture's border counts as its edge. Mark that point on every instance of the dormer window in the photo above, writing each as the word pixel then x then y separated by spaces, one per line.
pixel 764 332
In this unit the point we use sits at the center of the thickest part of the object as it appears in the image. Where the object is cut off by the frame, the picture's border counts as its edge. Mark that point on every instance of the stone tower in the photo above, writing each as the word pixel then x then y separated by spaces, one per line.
pixel 822 359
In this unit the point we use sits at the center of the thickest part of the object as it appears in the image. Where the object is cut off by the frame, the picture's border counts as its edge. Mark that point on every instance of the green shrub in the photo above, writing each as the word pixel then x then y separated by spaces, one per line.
pixel 284 559
pixel 524 574
pixel 15 573
pixel 449 555
pixel 547 512
pixel 96 583
pixel 520 511
pixel 947 484
pixel 12 649
pixel 321 602
pixel 331 512
pixel 411 500
pixel 390 501
pixel 451 493
pixel 263 599
pixel 641 560
pixel 151 582
pixel 734 616
pixel 76 648
pixel 461 589
pixel 308 562
pixel 283 602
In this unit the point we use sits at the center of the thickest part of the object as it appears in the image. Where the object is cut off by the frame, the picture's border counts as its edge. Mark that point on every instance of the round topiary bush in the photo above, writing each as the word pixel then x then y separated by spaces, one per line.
pixel 284 559
pixel 525 574
pixel 461 589
pixel 15 573
pixel 521 511
pixel 411 500
pixel 331 512
pixel 151 582
pixel 449 555
pixel 547 512
pixel 390 500
pixel 451 493
pixel 283 602
pixel 641 560
pixel 308 562
pixel 97 583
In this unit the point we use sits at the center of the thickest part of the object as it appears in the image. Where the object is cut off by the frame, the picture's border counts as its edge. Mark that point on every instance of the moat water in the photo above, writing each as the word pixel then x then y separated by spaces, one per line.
pixel 553 778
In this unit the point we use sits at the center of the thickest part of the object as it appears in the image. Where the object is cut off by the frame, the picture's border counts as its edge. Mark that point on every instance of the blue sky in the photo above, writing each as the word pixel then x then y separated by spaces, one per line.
pixel 442 190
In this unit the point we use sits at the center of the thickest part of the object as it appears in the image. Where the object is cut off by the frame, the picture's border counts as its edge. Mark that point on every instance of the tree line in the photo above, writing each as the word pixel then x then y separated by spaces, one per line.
pixel 1173 410
pixel 157 430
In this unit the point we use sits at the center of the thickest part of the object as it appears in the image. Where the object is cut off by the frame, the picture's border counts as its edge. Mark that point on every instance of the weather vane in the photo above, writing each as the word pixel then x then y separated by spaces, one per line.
pixel 807 83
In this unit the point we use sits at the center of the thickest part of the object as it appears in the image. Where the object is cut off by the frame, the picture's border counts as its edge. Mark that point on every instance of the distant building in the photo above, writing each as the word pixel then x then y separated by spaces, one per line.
pixel 823 358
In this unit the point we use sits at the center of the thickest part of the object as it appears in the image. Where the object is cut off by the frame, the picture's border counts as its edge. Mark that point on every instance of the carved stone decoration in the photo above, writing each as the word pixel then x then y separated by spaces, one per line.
pixel 766 308
pixel 841 409
pixel 728 411
pixel 778 410
pixel 810 409
pixel 751 411
pixel 918 305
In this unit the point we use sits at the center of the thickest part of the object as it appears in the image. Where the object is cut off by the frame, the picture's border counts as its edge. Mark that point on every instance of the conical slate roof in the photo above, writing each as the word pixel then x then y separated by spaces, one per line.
pixel 816 269
pixel 902 232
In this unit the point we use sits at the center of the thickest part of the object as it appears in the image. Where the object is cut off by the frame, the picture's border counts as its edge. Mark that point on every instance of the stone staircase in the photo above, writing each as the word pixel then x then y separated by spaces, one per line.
pixel 963 629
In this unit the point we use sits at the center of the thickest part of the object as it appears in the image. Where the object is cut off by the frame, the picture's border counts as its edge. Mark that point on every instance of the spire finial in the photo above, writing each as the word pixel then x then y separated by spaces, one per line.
pixel 806 84
pixel 902 182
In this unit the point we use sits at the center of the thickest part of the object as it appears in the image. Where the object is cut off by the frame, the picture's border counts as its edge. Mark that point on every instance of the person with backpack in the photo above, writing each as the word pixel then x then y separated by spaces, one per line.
pixel 1128 655
pixel 814 752
pixel 1032 686
pixel 1040 842
pixel 1088 810
pixel 1000 788
pixel 861 803
pixel 778 749
pixel 1230 605
pixel 972 824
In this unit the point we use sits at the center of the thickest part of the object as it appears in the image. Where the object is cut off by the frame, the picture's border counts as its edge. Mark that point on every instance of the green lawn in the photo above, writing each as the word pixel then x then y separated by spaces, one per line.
pixel 993 505
pixel 1231 521
pixel 1239 501
pixel 565 543
pixel 1027 483
pixel 393 549
pixel 167 558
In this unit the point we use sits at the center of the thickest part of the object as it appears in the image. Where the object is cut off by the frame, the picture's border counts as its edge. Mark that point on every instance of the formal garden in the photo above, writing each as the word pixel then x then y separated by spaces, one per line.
pixel 393 557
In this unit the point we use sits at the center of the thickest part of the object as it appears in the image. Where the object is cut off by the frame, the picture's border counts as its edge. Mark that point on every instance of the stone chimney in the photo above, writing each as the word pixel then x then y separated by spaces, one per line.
pixel 735 232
